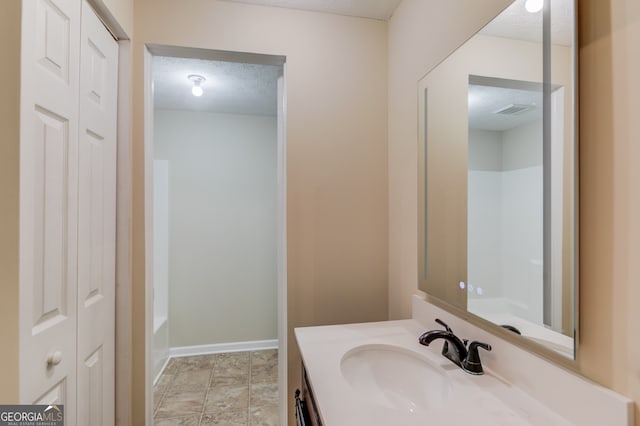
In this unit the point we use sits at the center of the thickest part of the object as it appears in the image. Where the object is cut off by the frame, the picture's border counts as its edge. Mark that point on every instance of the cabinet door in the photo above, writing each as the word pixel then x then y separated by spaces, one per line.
pixel 96 222
pixel 48 202
pixel 311 404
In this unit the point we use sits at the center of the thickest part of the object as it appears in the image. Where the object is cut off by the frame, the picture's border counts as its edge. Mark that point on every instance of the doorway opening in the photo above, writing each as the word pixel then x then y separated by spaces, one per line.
pixel 216 237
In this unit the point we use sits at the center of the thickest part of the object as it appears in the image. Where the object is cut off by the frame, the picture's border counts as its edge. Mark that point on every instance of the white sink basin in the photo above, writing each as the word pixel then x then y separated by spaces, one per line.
pixel 376 374
pixel 395 378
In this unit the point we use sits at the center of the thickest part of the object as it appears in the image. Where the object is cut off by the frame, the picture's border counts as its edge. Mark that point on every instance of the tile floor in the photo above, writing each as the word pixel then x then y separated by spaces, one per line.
pixel 238 388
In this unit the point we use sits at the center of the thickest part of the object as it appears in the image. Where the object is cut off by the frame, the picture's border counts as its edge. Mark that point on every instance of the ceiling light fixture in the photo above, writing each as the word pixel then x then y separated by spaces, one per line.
pixel 197 80
pixel 534 6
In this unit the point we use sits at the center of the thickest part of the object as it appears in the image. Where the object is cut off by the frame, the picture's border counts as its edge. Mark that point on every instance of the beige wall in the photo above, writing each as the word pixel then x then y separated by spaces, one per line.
pixel 337 153
pixel 421 34
pixel 609 350
pixel 9 190
pixel 118 14
pixel 122 10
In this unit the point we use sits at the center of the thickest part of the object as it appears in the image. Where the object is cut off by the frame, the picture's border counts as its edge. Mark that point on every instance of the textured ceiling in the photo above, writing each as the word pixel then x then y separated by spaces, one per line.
pixel 375 9
pixel 230 87
pixel 484 101
pixel 515 22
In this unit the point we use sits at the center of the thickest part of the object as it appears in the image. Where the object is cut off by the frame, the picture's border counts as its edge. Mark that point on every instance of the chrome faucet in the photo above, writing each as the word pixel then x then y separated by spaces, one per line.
pixel 455 349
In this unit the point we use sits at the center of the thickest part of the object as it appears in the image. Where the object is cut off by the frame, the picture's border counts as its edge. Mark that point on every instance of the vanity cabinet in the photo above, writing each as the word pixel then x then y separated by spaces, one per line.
pixel 306 406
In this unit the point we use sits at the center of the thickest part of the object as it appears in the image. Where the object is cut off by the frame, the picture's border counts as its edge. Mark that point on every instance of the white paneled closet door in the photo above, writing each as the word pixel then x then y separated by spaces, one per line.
pixel 96 222
pixel 48 202
pixel 67 210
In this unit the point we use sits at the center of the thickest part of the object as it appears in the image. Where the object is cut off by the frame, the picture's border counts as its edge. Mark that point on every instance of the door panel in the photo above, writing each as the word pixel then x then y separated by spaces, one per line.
pixel 54 396
pixel 96 222
pixel 51 184
pixel 95 378
pixel 48 201
pixel 53 37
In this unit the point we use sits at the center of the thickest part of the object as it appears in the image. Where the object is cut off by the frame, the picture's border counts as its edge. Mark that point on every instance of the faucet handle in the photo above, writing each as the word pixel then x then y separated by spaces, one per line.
pixel 444 324
pixel 445 345
pixel 472 363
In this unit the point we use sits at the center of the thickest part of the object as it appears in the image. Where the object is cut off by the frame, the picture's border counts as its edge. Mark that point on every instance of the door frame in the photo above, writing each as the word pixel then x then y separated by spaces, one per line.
pixel 189 52
pixel 124 202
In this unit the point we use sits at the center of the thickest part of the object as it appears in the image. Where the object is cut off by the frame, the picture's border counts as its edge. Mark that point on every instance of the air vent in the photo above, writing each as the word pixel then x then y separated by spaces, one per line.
pixel 514 109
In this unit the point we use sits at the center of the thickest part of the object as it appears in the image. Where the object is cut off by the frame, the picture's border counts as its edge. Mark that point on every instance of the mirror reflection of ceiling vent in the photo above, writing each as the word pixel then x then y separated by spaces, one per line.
pixel 514 109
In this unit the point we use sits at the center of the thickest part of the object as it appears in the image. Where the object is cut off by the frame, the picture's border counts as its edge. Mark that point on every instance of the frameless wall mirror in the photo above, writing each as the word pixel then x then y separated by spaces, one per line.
pixel 498 177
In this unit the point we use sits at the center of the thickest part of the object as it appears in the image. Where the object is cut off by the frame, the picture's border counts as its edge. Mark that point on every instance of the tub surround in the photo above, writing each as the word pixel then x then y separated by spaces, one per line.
pixel 540 393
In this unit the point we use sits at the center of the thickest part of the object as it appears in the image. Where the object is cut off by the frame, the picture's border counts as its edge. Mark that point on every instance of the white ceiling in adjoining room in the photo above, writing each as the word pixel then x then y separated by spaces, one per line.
pixel 230 87
pixel 374 9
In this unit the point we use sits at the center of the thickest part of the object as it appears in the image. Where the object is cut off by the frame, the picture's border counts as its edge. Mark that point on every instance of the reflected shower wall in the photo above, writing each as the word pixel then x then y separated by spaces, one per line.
pixel 505 268
pixel 505 221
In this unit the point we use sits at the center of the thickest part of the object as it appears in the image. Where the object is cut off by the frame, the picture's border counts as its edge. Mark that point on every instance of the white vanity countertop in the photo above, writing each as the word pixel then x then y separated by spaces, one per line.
pixel 477 400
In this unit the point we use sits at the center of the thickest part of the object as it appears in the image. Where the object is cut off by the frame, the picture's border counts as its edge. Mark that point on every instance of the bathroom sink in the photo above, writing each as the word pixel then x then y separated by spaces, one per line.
pixel 395 378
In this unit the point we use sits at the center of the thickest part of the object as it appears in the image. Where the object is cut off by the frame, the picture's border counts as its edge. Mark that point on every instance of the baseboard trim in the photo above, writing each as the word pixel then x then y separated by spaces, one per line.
pixel 255 345
pixel 164 365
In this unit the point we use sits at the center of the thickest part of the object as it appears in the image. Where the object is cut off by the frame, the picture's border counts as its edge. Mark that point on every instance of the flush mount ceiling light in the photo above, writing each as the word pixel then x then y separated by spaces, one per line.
pixel 533 6
pixel 197 80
